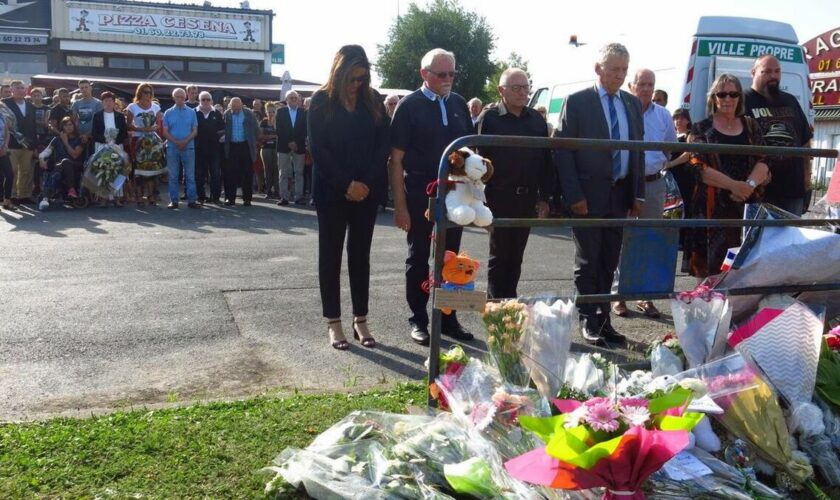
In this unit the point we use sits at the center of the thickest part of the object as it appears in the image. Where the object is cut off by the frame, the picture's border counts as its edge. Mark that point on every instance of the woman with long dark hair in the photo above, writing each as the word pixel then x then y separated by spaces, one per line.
pixel 348 134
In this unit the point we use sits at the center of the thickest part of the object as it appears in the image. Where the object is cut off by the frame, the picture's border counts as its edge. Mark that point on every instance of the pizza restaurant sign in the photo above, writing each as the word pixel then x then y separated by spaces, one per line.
pixel 823 54
pixel 163 26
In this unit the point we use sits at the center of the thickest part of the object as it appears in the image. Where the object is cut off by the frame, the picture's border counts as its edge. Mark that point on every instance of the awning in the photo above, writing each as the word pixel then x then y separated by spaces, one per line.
pixel 127 86
pixel 827 114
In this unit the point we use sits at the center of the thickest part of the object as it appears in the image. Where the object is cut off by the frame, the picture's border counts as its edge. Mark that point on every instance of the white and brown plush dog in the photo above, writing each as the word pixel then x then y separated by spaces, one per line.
pixel 465 201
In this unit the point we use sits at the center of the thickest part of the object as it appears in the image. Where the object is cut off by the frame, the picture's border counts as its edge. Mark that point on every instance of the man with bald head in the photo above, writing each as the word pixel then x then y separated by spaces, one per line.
pixel 783 123
pixel 241 132
pixel 180 126
pixel 658 128
pixel 522 181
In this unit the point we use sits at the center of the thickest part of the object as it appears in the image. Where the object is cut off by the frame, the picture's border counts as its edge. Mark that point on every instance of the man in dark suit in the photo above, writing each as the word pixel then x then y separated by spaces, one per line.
pixel 601 184
pixel 22 141
pixel 290 124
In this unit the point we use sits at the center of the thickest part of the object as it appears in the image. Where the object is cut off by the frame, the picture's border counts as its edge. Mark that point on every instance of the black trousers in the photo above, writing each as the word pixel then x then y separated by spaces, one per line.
pixel 419 251
pixel 597 250
pixel 207 166
pixel 356 220
pixel 7 177
pixel 507 245
pixel 240 172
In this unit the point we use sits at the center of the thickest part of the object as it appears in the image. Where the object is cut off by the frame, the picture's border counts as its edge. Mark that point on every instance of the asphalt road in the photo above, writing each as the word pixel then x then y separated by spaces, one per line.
pixel 115 308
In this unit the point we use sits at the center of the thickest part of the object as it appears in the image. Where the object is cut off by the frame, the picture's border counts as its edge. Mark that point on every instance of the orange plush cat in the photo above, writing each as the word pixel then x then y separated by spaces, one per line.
pixel 459 273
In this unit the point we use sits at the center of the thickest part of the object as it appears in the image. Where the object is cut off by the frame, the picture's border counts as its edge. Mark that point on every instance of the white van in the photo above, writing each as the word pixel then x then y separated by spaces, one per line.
pixel 731 45
pixel 552 97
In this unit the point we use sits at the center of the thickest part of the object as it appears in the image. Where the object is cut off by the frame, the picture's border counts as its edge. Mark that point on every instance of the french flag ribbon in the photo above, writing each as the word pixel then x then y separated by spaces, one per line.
pixel 730 258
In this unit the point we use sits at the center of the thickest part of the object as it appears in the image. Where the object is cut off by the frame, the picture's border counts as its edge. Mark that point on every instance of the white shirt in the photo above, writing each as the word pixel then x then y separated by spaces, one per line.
pixel 109 120
pixel 623 127
pixel 22 107
pixel 136 110
pixel 440 99
pixel 293 115
pixel 658 128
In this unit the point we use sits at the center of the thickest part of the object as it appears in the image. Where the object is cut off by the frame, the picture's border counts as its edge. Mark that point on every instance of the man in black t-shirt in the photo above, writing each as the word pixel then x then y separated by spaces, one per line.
pixel 59 110
pixel 783 123
pixel 424 123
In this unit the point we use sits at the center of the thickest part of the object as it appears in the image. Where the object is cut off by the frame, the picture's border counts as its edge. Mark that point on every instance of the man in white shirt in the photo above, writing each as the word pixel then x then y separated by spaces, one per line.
pixel 290 123
pixel 658 128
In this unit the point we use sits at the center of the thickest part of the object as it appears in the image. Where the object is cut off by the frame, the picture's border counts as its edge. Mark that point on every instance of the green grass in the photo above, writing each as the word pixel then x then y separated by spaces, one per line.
pixel 203 451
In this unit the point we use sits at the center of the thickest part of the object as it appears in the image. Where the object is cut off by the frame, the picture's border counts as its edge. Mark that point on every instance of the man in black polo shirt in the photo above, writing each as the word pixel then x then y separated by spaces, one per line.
pixel 425 122
pixel 522 181
pixel 784 124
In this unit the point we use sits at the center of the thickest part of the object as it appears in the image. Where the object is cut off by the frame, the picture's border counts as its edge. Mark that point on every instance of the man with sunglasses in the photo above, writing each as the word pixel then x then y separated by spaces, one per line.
pixel 523 179
pixel 425 122
pixel 783 123
pixel 601 184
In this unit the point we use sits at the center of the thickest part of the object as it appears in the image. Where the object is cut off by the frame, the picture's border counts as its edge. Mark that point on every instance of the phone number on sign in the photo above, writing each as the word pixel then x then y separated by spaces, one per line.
pixel 168 32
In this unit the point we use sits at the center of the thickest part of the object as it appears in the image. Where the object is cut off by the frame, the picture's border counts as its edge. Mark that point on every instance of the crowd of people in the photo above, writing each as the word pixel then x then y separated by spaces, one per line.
pixel 203 151
pixel 359 140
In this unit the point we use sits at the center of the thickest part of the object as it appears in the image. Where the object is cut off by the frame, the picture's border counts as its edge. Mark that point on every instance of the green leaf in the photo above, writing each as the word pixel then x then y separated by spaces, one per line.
pixel 673 399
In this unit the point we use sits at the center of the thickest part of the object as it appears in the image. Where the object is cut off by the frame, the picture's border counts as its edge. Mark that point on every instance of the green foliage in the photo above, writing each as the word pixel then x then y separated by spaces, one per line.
pixel 446 25
pixel 203 451
pixel 514 60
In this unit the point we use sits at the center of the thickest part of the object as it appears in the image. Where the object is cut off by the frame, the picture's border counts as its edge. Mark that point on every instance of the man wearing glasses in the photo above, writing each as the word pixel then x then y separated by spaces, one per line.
pixel 425 122
pixel 601 184
pixel 523 179
pixel 391 104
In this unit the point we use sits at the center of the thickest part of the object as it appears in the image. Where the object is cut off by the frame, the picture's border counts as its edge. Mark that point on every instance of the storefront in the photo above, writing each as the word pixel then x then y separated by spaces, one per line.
pixel 24 38
pixel 119 44
pixel 824 63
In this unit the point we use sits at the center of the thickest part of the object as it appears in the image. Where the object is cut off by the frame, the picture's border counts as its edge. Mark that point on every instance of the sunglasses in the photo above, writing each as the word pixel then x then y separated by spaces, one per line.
pixel 518 88
pixel 731 95
pixel 360 79
pixel 444 74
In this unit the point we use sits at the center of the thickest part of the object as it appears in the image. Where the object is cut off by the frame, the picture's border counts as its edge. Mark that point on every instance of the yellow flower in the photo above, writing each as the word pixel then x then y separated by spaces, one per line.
pixel 491 328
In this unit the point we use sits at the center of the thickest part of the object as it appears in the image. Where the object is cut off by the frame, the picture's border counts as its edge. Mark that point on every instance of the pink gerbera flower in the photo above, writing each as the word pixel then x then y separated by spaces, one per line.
pixel 635 402
pixel 602 416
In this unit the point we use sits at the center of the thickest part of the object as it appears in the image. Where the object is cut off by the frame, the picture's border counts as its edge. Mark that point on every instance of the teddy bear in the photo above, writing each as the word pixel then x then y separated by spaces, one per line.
pixel 465 200
pixel 458 273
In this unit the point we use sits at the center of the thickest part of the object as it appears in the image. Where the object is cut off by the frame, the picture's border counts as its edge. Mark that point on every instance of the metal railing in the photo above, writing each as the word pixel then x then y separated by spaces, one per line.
pixel 441 222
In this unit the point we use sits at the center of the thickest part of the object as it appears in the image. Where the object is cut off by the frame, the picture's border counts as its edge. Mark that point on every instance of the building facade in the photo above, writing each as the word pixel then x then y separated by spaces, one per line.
pixel 823 54
pixel 24 38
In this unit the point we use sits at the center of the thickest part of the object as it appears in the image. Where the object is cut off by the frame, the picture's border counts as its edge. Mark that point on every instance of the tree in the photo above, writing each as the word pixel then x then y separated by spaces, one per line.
pixel 514 60
pixel 448 26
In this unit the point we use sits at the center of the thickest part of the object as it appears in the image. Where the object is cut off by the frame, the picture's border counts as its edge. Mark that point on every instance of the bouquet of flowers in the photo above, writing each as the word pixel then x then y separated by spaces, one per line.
pixel 452 363
pixel 505 324
pixel 828 370
pixel 149 150
pixel 103 168
pixel 546 342
pixel 701 321
pixel 616 444
pixel 666 356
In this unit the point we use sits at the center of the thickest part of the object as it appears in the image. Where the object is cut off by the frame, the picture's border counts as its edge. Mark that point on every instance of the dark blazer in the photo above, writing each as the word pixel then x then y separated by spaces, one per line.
pixel 348 147
pixel 98 132
pixel 587 174
pixel 286 133
pixel 252 131
pixel 25 124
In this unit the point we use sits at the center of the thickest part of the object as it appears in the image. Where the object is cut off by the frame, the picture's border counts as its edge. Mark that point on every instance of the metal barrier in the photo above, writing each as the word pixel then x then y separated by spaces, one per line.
pixel 437 207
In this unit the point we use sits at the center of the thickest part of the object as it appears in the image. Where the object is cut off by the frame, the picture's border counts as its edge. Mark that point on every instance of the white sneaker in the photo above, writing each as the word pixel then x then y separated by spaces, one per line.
pixel 44 204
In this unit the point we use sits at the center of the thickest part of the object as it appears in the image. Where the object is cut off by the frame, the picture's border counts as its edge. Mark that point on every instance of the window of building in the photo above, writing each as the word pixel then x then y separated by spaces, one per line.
pixel 22 63
pixel 126 63
pixel 172 64
pixel 246 68
pixel 86 61
pixel 205 66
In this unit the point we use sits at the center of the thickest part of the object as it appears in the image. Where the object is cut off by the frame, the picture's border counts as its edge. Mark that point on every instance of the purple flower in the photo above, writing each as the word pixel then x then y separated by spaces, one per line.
pixel 601 416
pixel 634 402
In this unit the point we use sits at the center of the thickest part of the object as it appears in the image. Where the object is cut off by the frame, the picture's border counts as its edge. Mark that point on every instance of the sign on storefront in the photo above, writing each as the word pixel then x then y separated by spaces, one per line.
pixel 823 54
pixel 278 53
pixel 163 26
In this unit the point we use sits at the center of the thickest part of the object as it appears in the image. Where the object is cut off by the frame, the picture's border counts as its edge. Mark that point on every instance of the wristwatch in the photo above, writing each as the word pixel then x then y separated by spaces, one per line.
pixel 751 183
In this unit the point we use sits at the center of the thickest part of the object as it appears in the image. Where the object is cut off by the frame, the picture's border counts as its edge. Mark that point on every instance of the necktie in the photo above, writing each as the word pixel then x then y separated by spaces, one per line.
pixel 614 135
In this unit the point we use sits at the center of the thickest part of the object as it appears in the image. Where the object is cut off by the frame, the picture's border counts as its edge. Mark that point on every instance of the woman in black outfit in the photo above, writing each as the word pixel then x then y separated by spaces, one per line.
pixel 348 134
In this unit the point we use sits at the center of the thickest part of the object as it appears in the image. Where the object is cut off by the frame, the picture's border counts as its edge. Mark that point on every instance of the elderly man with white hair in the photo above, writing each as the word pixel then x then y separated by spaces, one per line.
pixel 290 123
pixel 180 127
pixel 211 126
pixel 475 109
pixel 425 122
pixel 241 133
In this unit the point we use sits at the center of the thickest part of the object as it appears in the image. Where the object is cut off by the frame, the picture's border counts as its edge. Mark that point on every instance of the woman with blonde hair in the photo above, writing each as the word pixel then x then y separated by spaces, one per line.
pixel 146 148
pixel 725 182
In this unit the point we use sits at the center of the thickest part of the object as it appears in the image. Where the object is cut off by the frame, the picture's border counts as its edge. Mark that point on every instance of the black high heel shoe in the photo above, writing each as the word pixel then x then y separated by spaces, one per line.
pixel 361 333
pixel 337 339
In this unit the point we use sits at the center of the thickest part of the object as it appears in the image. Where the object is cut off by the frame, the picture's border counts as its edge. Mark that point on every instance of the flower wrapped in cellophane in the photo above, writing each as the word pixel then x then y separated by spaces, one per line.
pixel 104 170
pixel 505 322
pixel 451 364
pixel 149 159
pixel 611 443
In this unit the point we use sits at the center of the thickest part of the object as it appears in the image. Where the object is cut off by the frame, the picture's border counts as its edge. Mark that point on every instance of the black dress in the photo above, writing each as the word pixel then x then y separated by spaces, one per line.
pixel 708 246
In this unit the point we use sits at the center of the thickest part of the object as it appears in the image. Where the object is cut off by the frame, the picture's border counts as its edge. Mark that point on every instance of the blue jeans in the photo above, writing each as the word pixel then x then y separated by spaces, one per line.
pixel 174 159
